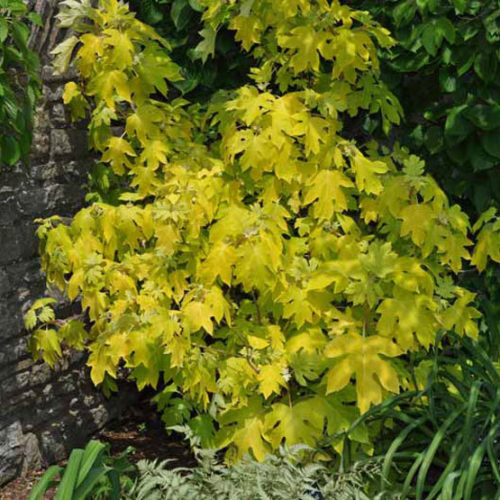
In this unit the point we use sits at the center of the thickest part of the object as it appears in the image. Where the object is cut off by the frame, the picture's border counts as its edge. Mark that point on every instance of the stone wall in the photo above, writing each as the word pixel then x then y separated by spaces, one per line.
pixel 43 413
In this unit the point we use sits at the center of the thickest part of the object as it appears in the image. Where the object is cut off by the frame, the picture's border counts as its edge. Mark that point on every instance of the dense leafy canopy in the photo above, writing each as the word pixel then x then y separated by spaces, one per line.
pixel 445 71
pixel 19 80
pixel 179 22
pixel 267 273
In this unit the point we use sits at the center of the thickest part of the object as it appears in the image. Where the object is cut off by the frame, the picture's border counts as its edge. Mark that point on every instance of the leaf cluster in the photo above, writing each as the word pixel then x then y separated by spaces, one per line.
pixel 208 63
pixel 89 473
pixel 19 80
pixel 445 70
pixel 270 276
pixel 287 475
pixel 282 476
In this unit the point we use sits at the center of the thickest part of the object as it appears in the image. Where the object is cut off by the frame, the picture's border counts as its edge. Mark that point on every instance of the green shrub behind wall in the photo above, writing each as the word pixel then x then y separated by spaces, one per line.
pixel 19 80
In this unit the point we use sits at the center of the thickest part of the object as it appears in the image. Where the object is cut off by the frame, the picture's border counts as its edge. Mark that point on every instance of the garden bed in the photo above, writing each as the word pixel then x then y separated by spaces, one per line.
pixel 139 431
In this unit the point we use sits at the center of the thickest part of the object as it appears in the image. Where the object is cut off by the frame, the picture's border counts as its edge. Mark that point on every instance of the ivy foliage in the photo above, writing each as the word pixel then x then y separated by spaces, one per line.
pixel 267 274
pixel 224 66
pixel 445 71
pixel 19 80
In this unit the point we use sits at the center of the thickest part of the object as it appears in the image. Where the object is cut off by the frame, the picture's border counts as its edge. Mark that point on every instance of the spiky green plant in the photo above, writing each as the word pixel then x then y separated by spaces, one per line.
pixel 443 441
pixel 91 473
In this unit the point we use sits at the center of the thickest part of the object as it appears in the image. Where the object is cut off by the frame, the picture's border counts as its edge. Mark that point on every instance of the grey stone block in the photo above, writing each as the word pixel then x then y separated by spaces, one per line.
pixel 11 450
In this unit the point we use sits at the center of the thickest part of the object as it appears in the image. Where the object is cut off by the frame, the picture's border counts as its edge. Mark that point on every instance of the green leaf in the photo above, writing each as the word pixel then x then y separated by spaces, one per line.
pixel 181 13
pixel 429 39
pixel 45 483
pixel 404 12
pixel 69 480
pixel 4 29
pixel 195 5
pixel 456 124
pixel 433 139
pixel 447 81
pixel 491 143
pixel 445 29
pixel 478 157
pixel 206 47
pixel 485 66
pixel 492 25
pixel 9 150
pixel 92 457
pixel 35 18
pixel 460 5
pixel 483 116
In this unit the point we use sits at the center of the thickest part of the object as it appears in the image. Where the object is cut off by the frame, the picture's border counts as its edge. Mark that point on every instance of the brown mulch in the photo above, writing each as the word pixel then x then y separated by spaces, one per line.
pixel 20 488
pixel 142 431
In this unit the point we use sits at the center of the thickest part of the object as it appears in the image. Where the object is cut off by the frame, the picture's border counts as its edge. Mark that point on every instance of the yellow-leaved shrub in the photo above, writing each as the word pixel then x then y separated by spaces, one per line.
pixel 265 272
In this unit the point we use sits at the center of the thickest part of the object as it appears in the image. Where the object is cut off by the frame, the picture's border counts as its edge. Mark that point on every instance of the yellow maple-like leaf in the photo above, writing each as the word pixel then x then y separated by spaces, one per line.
pixel 45 341
pixel 368 173
pixel 198 315
pixel 73 97
pixel 314 130
pixel 117 153
pixel 245 428
pixel 144 123
pixel 110 85
pixel 487 246
pixel 248 30
pixel 461 317
pixel 119 347
pixel 155 154
pixel 219 262
pixel 326 190
pixel 123 48
pixel 100 362
pixel 417 221
pixel 92 48
pixel 303 42
pixel 407 318
pixel 299 423
pixel 359 357
pixel 271 378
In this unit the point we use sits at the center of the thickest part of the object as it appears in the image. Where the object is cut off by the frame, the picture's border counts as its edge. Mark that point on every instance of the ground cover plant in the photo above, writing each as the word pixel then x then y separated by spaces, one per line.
pixel 269 269
pixel 19 81
pixel 280 476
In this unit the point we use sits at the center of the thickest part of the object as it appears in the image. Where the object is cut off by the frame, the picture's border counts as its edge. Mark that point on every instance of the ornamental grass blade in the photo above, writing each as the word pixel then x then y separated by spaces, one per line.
pixel 45 483
pixel 70 477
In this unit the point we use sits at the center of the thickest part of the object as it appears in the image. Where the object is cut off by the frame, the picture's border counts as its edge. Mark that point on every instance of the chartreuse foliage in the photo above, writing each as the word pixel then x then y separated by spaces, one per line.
pixel 268 275
pixel 19 80
pixel 445 71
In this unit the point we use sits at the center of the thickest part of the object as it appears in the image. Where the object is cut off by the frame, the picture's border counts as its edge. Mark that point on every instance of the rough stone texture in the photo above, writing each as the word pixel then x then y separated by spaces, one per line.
pixel 43 413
